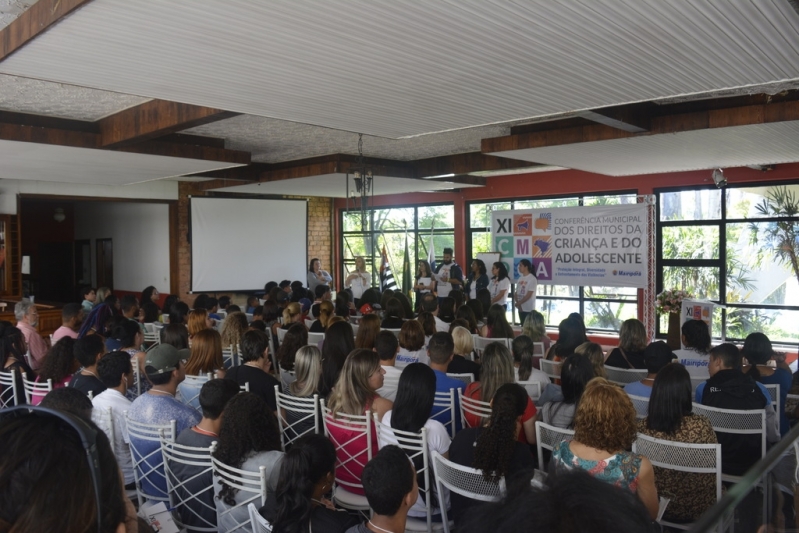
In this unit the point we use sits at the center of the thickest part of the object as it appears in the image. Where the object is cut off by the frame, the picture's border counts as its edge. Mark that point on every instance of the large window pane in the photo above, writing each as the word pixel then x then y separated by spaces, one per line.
pixel 778 324
pixel 436 216
pixel 702 282
pixel 620 293
pixel 481 242
pixel 609 315
pixel 555 311
pixel 352 221
pixel 559 290
pixel 394 219
pixel 761 202
pixel 616 199
pixel 480 214
pixel 691 242
pixel 702 204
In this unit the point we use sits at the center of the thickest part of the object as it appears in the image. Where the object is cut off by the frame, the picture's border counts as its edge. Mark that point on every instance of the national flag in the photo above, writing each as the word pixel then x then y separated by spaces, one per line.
pixel 386 277
pixel 407 279
pixel 431 253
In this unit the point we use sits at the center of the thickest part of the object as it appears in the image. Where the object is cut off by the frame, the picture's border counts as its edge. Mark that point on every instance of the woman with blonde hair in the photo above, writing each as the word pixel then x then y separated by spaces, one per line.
pixel 308 373
pixel 102 294
pixel 233 328
pixel 497 370
pixel 535 328
pixel 291 314
pixel 326 313
pixel 461 360
pixel 358 280
pixel 198 321
pixel 593 352
pixel 368 330
pixel 411 345
pixel 355 393
pixel 632 343
pixel 604 429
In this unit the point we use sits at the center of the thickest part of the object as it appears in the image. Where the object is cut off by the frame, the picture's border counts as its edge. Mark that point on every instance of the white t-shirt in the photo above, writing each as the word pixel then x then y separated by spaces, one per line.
pixel 535 376
pixel 524 285
pixel 497 286
pixel 390 383
pixel 112 400
pixel 694 362
pixel 406 357
pixel 360 284
pixel 443 288
pixel 438 440
pixel 426 282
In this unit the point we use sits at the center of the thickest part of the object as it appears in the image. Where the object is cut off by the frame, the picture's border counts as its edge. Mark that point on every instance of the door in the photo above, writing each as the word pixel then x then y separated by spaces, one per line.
pixel 105 263
pixel 55 277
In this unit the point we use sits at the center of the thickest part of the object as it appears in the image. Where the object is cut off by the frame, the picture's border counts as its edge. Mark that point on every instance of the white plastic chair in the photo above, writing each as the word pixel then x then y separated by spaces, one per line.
pixel 551 368
pixel 184 497
pixel 774 393
pixel 148 463
pixel 189 390
pixel 230 356
pixel 314 338
pixel 623 376
pixel 641 404
pixel 305 411
pixel 8 389
pixel 309 323
pixel 681 457
pixel 444 405
pixel 473 407
pixel 39 389
pixel 259 523
pixel 463 480
pixel 396 332
pixel 538 349
pixel 466 377
pixel 547 437
pixel 253 484
pixel 480 343
pixel 343 432
pixel 281 334
pixel 533 388
pixel 152 334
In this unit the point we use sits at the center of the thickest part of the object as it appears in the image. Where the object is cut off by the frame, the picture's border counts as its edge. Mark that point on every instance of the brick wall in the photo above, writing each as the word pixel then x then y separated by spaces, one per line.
pixel 320 231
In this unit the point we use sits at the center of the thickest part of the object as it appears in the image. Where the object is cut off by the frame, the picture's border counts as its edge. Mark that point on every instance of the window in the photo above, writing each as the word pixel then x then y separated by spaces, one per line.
pixel 735 246
pixel 603 308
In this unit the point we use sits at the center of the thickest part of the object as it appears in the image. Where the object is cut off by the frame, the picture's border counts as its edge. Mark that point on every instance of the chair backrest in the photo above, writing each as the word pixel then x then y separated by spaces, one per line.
pixel 309 322
pixel 281 334
pixel 314 338
pixel 8 388
pixel 444 406
pixel 230 356
pixel 641 404
pixel 533 389
pixel 463 480
pixel 346 433
pixel 547 437
pixel 355 327
pixel 248 483
pixel 749 422
pixel 551 368
pixel 259 523
pixel 189 492
pixel 137 379
pixel 296 416
pixel 148 463
pixel 466 377
pixel 39 389
pixel 623 376
pixel 538 349
pixel 475 408
pixel 152 334
pixel 480 343
pixel 395 331
pixel 189 390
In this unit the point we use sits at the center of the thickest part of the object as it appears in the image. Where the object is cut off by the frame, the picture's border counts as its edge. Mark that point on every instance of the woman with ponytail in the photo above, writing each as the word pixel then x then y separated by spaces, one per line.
pixel 494 448
pixel 306 475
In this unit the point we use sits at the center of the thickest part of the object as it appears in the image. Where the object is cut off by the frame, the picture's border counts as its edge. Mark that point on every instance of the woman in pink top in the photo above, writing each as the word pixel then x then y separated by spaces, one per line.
pixel 59 364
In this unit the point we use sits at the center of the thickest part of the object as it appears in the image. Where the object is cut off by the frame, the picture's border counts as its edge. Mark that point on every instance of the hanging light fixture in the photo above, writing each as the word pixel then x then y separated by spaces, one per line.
pixel 59 215
pixel 363 180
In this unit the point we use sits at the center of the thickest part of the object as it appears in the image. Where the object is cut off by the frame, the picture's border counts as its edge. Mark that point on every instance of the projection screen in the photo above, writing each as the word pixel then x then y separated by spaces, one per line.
pixel 239 244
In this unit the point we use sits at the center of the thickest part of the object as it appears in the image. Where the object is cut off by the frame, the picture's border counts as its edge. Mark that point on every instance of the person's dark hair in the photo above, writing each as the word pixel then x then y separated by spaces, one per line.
pixel 147 294
pixel 428 323
pixel 285 283
pixel 494 448
pixel 178 312
pixel 201 302
pixel 458 322
pixel 252 300
pixel 447 251
pixel 370 296
pixel 224 301
pixel 248 426
pixel 112 367
pixel 407 307
pixel 575 374
pixel 258 310
pixel 697 335
pixel 481 266
pixel 214 396
pixel 341 305
pixel 498 322
pixel 729 354
pixel 466 313
pixel 477 309
pixel 571 334
pixel 574 501
pixel 70 311
pixel 87 349
pixel 387 479
pixel 522 350
pixel 96 320
pixel 321 290
pixel 429 303
pixel 446 309
pixel 128 302
pixel 233 308
pixel 394 309
pixel 657 355
pixel 758 351
pixel 309 460
pixel 339 342
pixel 271 312
pixel 151 312
pixel 502 270
pixel 70 400
pixel 125 332
pixel 296 337
pixel 211 302
pixel 484 297
pixel 111 301
pixel 310 264
pixel 297 285
pixel 671 399
pixel 412 334
pixel 175 334
pixel 457 296
pixel 269 286
pixel 253 344
pixel 84 291
pixel 60 361
pixel 260 325
pixel 415 394
pixel 170 300
pixel 386 345
pixel 529 265
pixel 43 469
pixel 440 347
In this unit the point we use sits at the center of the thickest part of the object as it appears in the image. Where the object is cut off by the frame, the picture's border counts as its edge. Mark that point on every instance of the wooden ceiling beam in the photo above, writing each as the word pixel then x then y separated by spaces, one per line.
pixel 36 20
pixel 632 119
pixel 464 164
pixel 153 119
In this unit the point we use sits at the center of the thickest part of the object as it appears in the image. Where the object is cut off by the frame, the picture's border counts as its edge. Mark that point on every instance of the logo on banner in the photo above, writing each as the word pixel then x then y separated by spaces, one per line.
pixel 544 222
pixel 523 224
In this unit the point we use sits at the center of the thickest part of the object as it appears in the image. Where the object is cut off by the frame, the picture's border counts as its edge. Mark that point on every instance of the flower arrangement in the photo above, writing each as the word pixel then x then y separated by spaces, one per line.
pixel 670 301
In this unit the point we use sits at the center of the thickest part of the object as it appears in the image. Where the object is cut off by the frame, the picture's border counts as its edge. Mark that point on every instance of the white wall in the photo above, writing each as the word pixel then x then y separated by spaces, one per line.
pixel 140 234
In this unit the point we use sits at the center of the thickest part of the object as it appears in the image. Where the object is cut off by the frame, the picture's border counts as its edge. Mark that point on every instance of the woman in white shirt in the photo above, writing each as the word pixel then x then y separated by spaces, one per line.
pixel 500 284
pixel 359 280
pixel 424 281
pixel 525 289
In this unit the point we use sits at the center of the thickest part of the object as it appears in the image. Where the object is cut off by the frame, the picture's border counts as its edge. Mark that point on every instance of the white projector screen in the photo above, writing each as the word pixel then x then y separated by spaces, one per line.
pixel 239 244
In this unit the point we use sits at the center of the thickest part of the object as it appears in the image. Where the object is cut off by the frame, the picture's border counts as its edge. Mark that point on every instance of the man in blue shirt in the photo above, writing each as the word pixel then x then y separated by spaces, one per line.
pixel 440 349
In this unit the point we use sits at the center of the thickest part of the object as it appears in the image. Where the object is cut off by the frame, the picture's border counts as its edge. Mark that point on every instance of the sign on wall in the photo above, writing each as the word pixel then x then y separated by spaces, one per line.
pixel 600 246
pixel 697 310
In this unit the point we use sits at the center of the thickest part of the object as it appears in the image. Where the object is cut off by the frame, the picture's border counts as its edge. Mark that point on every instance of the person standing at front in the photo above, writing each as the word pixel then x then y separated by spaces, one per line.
pixel 526 287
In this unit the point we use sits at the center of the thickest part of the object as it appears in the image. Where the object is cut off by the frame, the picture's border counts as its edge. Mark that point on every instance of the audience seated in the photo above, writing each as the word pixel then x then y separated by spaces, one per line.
pixel 233 328
pixel 571 334
pixel 255 367
pixel 446 309
pixel 71 318
pixel 695 356
pixel 440 351
pixel 604 429
pixel 12 358
pixel 59 365
pixel 534 327
pixel 393 315
pixel 729 388
pixel 69 400
pixel 429 325
pixel 411 344
pixel 27 319
pixel 296 337
pixel 198 321
pixel 326 312
pixel 671 418
pixel 178 313
pixel 575 374
pixel 758 353
pixel 95 321
pixel 632 342
pixel 206 354
pixel 89 296
pixel 175 334
pixel 494 447
pixel 339 342
pixel 593 352
pixel 292 314
pixel 308 366
pixel 465 312
pixel 299 504
pixel 387 348
pixel 464 346
pixel 368 328
pixel 88 351
pixel 523 369
pixel 249 438
pixel 496 326
pixel 657 355
pixel 430 305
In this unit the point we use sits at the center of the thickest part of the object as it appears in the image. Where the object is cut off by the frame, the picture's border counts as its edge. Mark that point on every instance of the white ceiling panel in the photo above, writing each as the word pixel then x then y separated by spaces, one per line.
pixel 757 144
pixel 401 68
pixel 43 162
pixel 334 186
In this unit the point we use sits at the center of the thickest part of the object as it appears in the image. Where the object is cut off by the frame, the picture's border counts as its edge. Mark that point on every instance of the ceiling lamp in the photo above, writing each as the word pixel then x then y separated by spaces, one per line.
pixel 719 179
pixel 362 181
pixel 59 215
